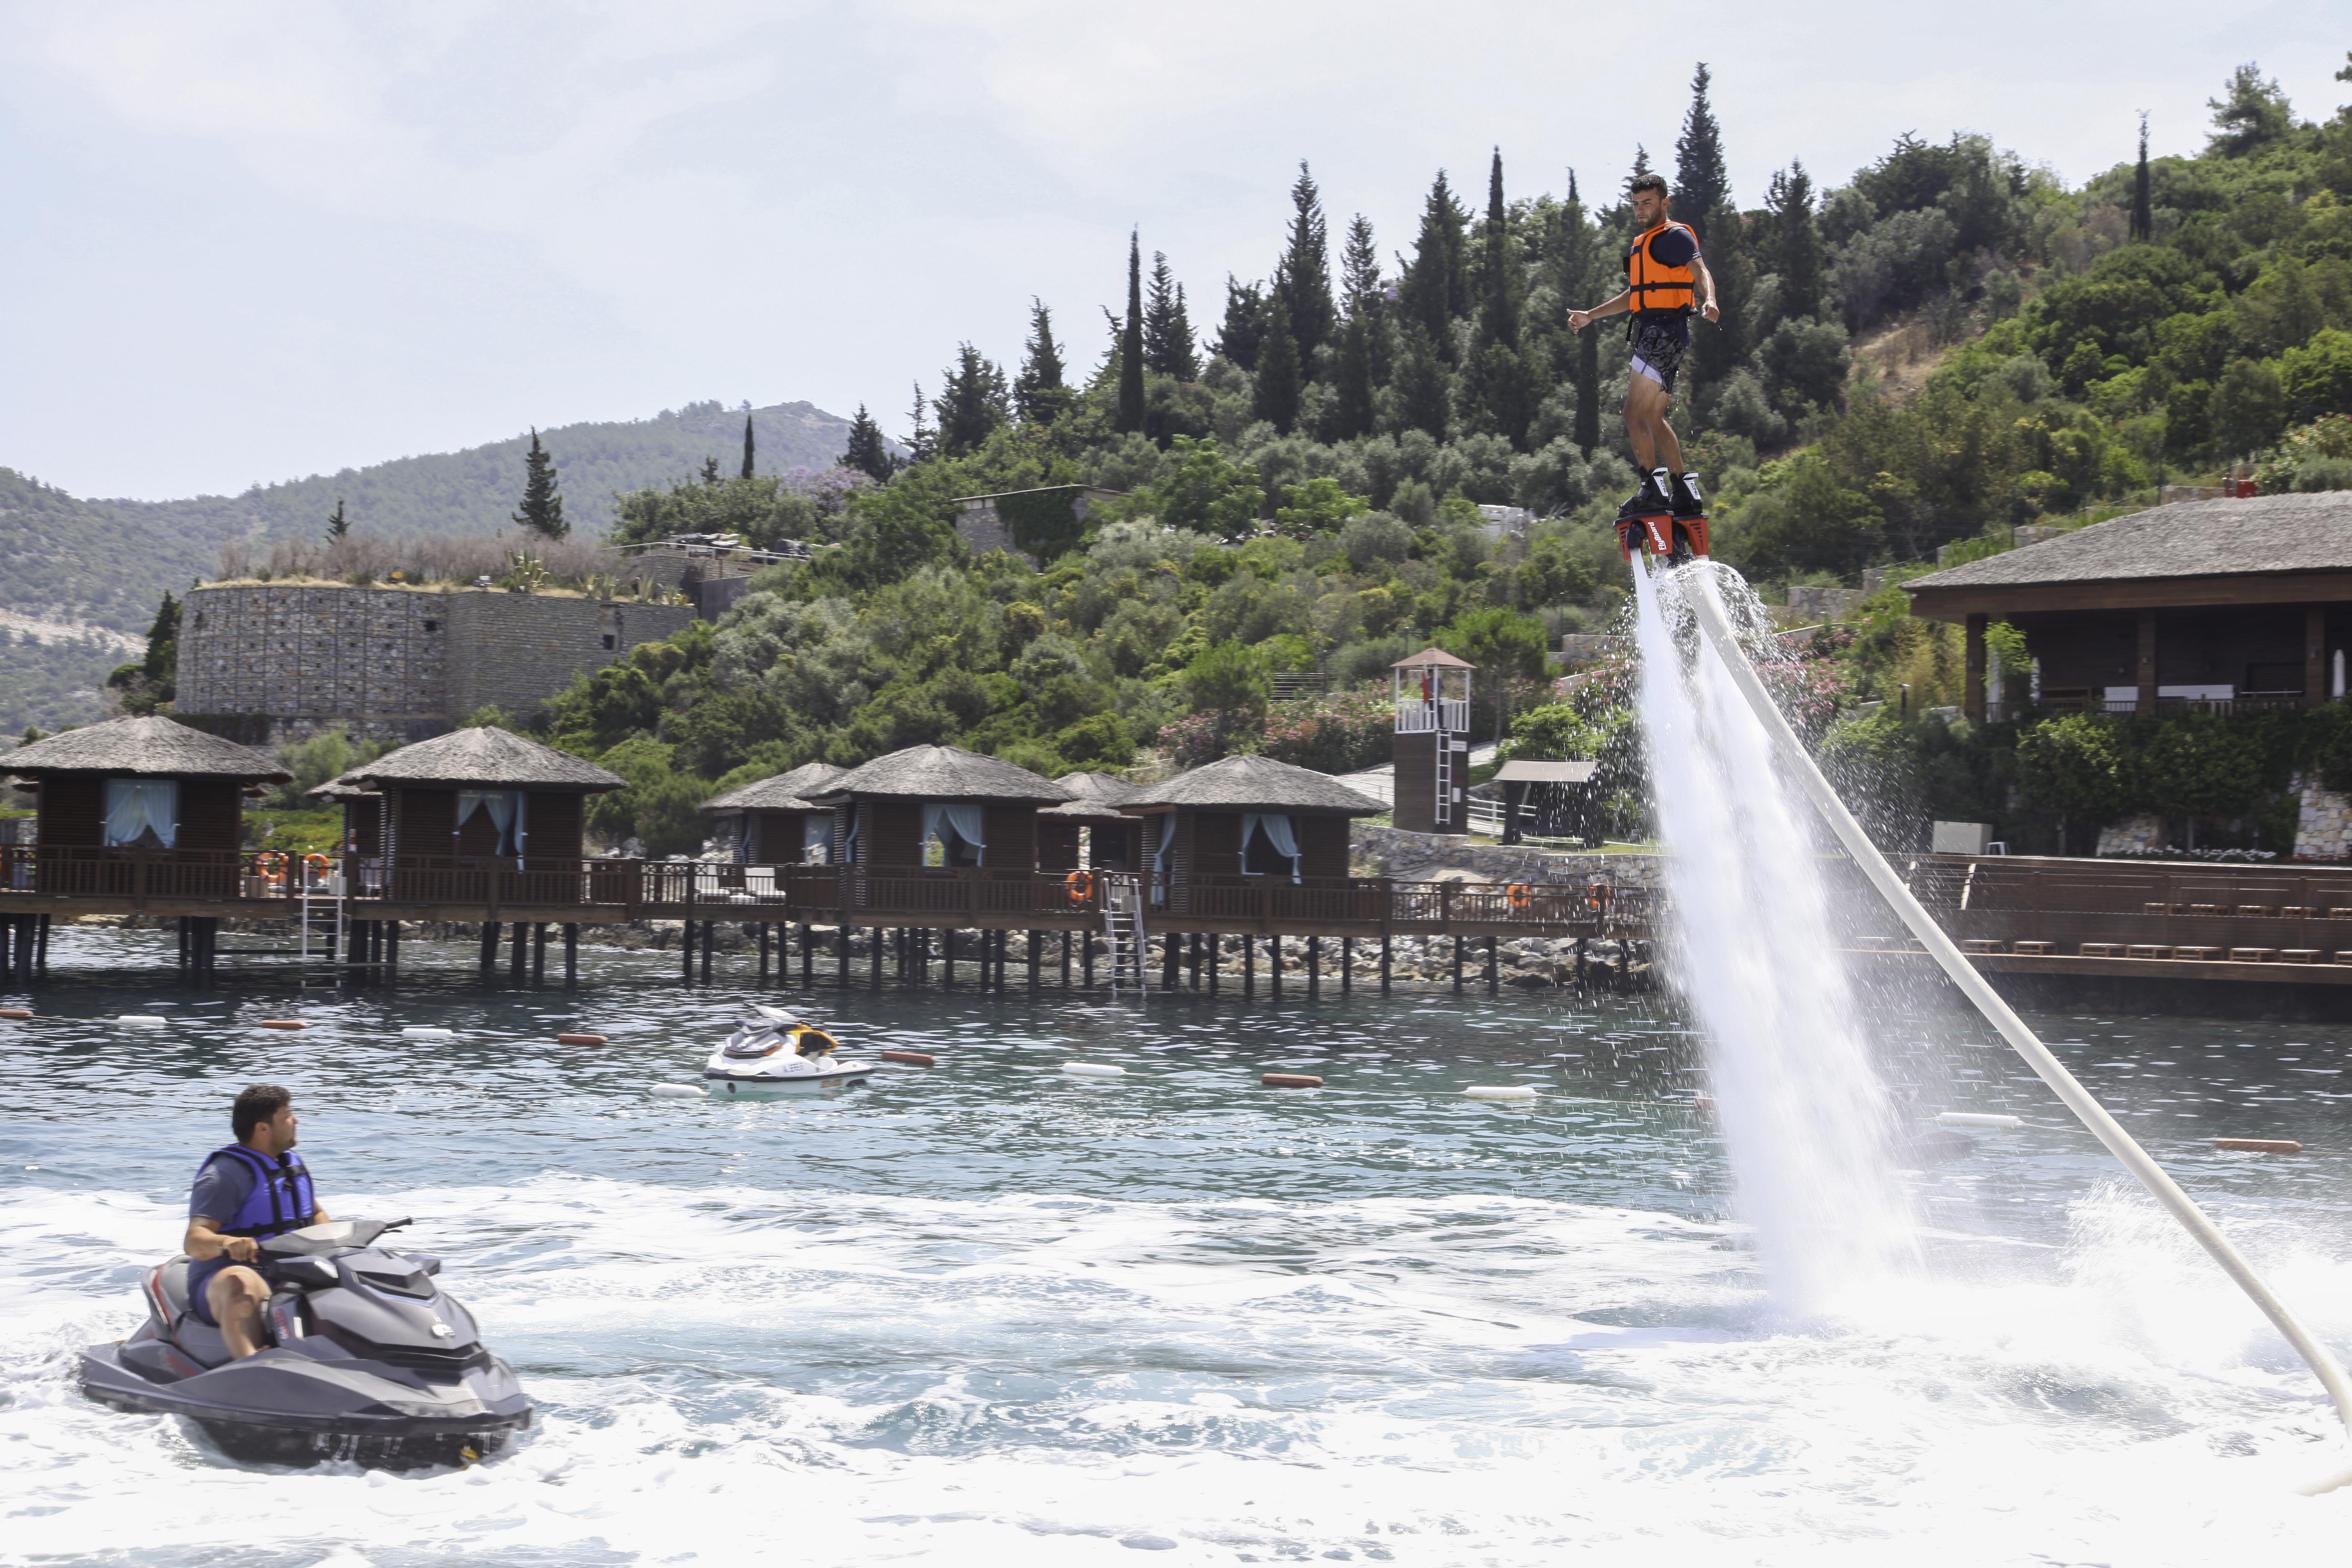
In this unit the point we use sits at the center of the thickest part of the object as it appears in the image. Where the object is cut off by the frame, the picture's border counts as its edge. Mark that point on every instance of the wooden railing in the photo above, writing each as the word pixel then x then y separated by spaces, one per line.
pixel 722 891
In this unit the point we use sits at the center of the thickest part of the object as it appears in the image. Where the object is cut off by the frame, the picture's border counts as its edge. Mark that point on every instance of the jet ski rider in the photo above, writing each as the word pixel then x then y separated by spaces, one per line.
pixel 1665 281
pixel 250 1190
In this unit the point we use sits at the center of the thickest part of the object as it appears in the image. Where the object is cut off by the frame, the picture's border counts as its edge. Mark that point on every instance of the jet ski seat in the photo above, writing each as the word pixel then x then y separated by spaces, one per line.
pixel 171 1284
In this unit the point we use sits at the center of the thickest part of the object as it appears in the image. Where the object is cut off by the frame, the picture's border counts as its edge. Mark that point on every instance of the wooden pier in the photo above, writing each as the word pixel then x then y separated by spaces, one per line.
pixel 356 907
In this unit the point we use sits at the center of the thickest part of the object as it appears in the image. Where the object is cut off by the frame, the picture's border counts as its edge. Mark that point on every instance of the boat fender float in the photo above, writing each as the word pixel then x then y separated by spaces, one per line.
pixel 2260 1145
pixel 142 1021
pixel 579 1039
pixel 15 1011
pixel 1976 1118
pixel 1093 1070
pixel 910 1058
pixel 1291 1081
pixel 426 1032
pixel 283 1024
pixel 1500 1091
pixel 676 1091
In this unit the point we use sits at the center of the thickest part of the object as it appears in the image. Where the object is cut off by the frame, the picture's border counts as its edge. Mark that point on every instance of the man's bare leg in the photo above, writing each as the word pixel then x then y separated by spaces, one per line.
pixel 1655 445
pixel 235 1297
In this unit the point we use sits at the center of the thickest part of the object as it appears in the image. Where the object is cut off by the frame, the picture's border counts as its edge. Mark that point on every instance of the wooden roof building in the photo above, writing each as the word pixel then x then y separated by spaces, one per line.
pixel 940 806
pixel 1115 837
pixel 2227 606
pixel 1248 817
pixel 779 824
pixel 131 785
pixel 484 794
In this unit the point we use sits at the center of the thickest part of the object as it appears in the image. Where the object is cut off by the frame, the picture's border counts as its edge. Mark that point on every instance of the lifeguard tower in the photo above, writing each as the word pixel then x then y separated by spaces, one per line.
pixel 1432 742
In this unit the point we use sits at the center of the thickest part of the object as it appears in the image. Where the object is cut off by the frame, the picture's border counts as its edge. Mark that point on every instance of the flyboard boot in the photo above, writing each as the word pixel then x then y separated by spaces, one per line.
pixel 1665 518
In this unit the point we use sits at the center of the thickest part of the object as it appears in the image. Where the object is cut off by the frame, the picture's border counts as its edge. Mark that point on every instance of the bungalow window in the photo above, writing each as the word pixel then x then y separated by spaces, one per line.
pixel 1270 846
pixel 816 838
pixel 142 813
pixel 952 835
pixel 506 811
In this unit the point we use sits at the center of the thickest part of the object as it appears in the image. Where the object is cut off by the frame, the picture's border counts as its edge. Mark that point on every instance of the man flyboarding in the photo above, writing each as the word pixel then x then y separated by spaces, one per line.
pixel 1666 279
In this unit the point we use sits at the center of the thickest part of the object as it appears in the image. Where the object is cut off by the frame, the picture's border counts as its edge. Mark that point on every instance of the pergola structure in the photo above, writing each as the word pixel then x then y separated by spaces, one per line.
pixel 2227 606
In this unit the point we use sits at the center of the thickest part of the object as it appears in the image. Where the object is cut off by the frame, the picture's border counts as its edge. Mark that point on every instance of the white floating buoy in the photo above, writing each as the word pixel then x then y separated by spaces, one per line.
pixel 143 1020
pixel 424 1032
pixel 1500 1091
pixel 1093 1070
pixel 1976 1118
pixel 676 1091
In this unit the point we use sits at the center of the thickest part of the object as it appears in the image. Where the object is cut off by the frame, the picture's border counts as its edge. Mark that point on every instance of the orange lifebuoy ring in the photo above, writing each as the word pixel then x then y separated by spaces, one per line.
pixel 270 865
pixel 317 865
pixel 1596 897
pixel 1519 895
pixel 1080 886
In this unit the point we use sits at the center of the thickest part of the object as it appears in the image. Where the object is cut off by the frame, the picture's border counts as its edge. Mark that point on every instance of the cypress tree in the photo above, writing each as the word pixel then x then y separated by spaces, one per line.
pixel 1579 273
pixel 2143 212
pixel 1434 290
pixel 972 403
pixel 1303 280
pixel 868 452
pixel 750 448
pixel 1243 331
pixel 1275 396
pixel 338 525
pixel 1702 181
pixel 1422 394
pixel 923 441
pixel 1130 343
pixel 1498 316
pixel 1039 392
pixel 543 507
pixel 1167 329
pixel 1796 242
pixel 1358 369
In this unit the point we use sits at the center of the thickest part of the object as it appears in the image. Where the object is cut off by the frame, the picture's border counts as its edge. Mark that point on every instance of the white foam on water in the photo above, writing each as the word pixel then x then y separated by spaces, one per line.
pixel 755 1374
pixel 1801 1107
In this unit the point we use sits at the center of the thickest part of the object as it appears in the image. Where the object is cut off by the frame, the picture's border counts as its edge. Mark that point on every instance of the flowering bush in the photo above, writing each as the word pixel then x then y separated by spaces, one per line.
pixel 1196 739
pixel 1340 733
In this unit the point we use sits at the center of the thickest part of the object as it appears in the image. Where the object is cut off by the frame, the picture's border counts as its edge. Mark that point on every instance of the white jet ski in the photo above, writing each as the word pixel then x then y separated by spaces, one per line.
pixel 777 1053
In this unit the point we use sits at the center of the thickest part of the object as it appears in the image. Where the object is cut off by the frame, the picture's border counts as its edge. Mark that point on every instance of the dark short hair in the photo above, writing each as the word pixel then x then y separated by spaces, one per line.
pixel 256 1104
pixel 1641 182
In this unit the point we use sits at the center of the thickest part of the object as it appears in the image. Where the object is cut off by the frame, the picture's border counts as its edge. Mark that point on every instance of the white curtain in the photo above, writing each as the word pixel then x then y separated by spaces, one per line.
pixel 816 838
pixel 505 808
pixel 1278 833
pixel 965 820
pixel 136 807
pixel 1159 859
pixel 849 839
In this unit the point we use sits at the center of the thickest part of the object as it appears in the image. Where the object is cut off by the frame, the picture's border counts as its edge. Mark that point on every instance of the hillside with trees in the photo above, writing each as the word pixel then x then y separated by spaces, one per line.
pixel 1303 465
pixel 108 562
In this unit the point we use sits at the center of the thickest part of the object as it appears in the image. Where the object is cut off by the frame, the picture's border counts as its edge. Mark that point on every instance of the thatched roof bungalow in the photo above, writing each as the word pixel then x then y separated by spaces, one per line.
pixel 776 822
pixel 149 784
pixel 941 806
pixel 484 794
pixel 1248 817
pixel 1116 837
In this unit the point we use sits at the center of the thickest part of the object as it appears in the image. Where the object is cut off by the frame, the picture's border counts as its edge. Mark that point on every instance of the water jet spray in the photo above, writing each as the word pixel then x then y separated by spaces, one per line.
pixel 1698 584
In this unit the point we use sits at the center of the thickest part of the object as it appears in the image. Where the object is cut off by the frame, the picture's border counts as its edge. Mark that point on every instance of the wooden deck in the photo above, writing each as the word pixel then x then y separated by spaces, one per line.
pixel 255 885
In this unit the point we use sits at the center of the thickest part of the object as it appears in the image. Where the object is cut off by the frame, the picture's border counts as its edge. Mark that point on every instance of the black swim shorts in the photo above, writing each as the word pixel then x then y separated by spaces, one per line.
pixel 1659 344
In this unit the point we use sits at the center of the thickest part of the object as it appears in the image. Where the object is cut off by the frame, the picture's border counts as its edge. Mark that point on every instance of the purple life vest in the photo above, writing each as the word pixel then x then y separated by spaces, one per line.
pixel 282 1198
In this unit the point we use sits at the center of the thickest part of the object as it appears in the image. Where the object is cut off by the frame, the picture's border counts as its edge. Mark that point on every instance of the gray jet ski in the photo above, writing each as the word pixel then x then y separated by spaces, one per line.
pixel 370 1363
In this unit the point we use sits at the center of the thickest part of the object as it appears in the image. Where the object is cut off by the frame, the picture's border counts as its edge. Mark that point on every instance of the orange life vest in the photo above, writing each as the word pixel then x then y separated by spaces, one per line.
pixel 1657 287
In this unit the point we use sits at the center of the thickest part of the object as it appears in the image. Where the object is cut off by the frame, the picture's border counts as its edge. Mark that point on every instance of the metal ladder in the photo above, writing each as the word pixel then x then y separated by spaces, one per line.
pixel 1445 779
pixel 323 920
pixel 1123 908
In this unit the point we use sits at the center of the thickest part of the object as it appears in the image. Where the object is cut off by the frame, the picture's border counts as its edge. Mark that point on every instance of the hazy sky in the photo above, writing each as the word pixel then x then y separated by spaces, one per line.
pixel 256 240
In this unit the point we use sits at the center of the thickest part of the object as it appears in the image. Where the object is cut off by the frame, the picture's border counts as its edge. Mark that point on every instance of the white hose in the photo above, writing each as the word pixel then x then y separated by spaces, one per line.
pixel 1712 620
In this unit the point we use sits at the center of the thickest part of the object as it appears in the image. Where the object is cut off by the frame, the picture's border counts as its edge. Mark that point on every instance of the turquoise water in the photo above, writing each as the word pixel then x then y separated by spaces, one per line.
pixel 988 1311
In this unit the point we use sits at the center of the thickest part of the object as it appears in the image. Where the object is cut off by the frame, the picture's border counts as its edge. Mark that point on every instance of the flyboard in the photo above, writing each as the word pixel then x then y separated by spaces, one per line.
pixel 1706 608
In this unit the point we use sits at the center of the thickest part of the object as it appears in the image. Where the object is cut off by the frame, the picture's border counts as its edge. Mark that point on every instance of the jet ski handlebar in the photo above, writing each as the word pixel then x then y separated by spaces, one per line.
pixel 334 1235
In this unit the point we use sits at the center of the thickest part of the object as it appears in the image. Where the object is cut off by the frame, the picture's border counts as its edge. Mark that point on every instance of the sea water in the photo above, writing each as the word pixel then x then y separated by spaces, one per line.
pixel 989 1313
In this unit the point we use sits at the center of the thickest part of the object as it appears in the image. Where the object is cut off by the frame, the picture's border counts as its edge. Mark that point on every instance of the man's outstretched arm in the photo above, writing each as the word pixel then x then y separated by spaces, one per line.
pixel 1579 320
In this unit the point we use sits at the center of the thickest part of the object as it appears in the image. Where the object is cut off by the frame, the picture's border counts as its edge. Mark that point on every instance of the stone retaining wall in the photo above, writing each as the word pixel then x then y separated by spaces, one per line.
pixel 1443 856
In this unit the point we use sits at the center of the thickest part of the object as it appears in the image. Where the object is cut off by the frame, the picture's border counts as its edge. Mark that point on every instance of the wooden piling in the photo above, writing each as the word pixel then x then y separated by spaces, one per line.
pixel 1455 943
pixel 539 952
pixel 571 955
pixel 1314 969
pixel 1170 961
pixel 1347 966
pixel 1249 966
pixel 1491 982
pixel 1089 980
pixel 489 946
pixel 1274 965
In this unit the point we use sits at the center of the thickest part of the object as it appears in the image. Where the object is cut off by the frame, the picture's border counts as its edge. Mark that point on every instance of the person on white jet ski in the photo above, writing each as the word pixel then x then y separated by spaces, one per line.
pixel 246 1192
